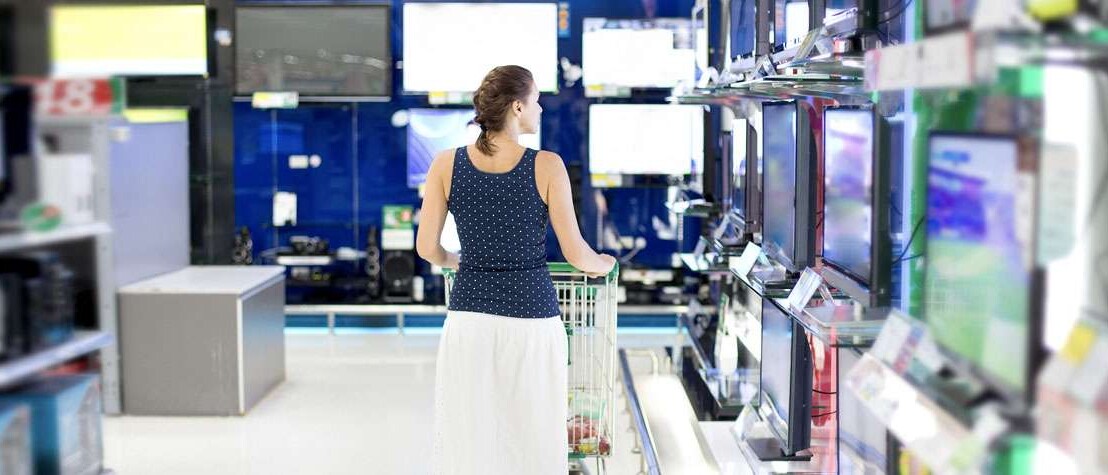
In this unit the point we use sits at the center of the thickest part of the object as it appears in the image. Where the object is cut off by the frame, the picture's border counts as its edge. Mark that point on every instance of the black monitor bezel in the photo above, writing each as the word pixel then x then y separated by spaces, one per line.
pixel 270 5
pixel 1019 400
pixel 873 290
pixel 798 430
pixel 804 232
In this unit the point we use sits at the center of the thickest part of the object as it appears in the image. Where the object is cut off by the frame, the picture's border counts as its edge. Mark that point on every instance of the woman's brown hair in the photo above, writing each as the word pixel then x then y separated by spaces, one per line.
pixel 500 87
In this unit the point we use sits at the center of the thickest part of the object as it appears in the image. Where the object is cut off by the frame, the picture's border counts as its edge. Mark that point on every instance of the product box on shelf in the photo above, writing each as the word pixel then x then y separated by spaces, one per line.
pixel 65 423
pixel 15 440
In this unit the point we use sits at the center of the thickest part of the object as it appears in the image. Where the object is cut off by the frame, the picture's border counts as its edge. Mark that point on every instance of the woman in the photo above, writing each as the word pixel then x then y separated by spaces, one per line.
pixel 500 389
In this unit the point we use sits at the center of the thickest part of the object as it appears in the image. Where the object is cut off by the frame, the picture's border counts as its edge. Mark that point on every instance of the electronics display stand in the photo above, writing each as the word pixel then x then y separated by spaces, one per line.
pixel 770 450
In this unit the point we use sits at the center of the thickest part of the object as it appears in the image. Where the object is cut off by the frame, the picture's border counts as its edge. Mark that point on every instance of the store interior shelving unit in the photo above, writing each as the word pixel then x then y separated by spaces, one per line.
pixel 958 436
pixel 86 248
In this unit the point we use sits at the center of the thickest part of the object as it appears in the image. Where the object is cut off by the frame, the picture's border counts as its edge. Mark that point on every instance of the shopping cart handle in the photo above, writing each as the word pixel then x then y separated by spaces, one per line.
pixel 559 267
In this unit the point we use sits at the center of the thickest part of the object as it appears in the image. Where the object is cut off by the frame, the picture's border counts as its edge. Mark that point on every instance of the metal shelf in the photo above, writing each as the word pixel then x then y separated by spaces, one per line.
pixel 28 239
pixel 83 343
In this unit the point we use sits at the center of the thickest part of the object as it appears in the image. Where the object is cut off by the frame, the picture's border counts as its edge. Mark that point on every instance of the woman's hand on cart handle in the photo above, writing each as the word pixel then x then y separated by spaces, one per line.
pixel 609 264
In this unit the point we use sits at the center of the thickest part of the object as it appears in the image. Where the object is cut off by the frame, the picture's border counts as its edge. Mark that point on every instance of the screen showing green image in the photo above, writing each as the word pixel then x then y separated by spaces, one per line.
pixel 977 281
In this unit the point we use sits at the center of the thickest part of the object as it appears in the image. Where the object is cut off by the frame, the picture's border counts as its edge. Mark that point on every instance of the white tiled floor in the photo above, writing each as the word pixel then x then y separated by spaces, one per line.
pixel 352 404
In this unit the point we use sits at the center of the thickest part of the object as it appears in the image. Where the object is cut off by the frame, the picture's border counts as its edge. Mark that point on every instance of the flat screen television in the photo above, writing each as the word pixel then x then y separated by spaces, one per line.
pixel 433 130
pixel 637 53
pixel 786 386
pixel 981 289
pixel 646 139
pixel 128 40
pixel 318 51
pixel 797 21
pixel 440 41
pixel 788 185
pixel 745 176
pixel 743 27
pixel 856 243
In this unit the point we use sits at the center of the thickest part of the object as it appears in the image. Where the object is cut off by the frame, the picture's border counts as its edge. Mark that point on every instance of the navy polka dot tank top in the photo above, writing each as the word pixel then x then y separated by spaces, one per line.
pixel 502 222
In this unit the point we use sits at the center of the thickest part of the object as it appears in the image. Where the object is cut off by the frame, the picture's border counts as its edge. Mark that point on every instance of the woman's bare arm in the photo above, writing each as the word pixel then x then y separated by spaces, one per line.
pixel 432 215
pixel 559 198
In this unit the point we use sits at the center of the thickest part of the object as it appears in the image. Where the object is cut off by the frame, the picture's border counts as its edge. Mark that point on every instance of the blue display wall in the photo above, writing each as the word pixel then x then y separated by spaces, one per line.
pixel 363 156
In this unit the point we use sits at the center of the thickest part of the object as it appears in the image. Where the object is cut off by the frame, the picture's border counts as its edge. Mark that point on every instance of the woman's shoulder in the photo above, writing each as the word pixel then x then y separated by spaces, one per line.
pixel 548 159
pixel 444 161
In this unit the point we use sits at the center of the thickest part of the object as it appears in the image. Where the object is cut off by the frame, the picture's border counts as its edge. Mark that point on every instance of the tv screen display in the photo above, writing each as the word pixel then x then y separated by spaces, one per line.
pixel 743 27
pixel 638 53
pixel 738 166
pixel 646 139
pixel 797 22
pixel 313 50
pixel 977 288
pixel 779 176
pixel 848 191
pixel 786 379
pixel 433 130
pixel 441 42
pixel 128 40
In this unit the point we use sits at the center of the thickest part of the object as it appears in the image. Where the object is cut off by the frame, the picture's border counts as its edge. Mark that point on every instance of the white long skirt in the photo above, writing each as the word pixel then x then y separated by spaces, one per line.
pixel 500 396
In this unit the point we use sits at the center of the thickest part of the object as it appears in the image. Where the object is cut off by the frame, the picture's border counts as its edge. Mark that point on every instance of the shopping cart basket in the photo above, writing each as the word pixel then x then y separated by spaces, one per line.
pixel 589 313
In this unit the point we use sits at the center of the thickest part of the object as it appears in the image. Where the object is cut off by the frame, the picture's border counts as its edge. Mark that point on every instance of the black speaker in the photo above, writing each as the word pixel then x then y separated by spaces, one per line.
pixel 397 270
pixel 373 264
pixel 48 289
pixel 243 251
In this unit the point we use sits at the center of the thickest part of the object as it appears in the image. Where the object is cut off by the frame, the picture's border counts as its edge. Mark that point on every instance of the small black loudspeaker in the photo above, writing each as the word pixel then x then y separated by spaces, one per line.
pixel 373 264
pixel 397 270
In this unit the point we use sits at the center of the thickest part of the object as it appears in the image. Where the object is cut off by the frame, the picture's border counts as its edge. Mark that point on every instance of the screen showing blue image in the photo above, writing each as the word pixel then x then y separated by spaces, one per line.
pixel 776 372
pixel 738 165
pixel 977 285
pixel 779 175
pixel 848 191
pixel 743 27
pixel 433 130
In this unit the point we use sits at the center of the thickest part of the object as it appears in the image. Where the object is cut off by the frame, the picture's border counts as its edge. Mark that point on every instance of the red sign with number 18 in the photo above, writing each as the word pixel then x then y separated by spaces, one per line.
pixel 68 97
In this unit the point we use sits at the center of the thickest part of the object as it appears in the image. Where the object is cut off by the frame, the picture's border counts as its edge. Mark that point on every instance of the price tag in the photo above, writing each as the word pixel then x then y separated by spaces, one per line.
pixel 743 264
pixel 77 97
pixel 807 286
pixel 893 337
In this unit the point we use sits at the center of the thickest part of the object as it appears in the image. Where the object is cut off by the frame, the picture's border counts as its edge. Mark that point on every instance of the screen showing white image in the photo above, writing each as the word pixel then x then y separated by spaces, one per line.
pixel 440 41
pixel 646 139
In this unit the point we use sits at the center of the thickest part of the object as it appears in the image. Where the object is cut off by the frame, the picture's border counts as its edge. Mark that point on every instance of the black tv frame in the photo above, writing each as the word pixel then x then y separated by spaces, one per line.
pixel 789 441
pixel 874 289
pixel 804 225
pixel 244 95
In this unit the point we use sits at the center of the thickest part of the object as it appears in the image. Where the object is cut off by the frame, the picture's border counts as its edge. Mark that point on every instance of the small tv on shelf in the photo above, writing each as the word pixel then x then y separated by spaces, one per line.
pixel 856 243
pixel 745 177
pixel 433 130
pixel 629 140
pixel 450 47
pixel 786 387
pixel 637 53
pixel 128 40
pixel 318 51
pixel 788 185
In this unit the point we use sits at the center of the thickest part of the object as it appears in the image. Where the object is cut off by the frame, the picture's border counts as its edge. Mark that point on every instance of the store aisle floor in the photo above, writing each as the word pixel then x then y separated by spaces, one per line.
pixel 352 404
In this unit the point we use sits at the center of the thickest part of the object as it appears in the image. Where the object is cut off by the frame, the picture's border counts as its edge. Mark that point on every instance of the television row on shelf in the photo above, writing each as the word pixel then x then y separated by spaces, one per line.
pixel 345 52
pixel 846 208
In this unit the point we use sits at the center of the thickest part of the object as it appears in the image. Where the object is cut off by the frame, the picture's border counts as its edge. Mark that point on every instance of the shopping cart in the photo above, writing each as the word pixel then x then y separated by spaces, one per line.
pixel 589 314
